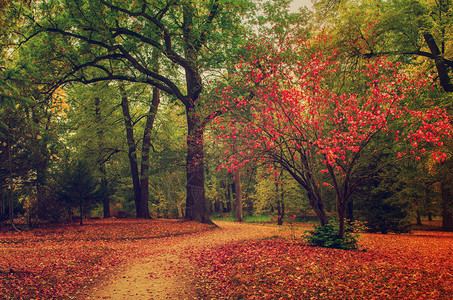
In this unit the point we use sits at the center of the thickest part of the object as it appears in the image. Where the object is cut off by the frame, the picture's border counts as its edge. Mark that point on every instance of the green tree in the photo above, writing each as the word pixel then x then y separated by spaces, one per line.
pixel 93 134
pixel 116 40
pixel 167 172
pixel 77 187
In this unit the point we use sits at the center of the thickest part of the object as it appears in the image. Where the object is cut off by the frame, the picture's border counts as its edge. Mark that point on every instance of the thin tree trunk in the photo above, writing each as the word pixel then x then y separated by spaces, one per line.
pixel 10 175
pixel 132 151
pixel 104 189
pixel 238 196
pixel 102 168
pixel 447 206
pixel 341 211
pixel 144 170
pixel 279 204
pixel 313 193
pixel 81 208
pixel 419 217
pixel 146 146
pixel 350 210
pixel 282 199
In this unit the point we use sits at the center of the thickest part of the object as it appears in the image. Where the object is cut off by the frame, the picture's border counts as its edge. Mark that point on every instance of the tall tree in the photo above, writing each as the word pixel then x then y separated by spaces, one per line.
pixel 140 179
pixel 115 39
pixel 102 163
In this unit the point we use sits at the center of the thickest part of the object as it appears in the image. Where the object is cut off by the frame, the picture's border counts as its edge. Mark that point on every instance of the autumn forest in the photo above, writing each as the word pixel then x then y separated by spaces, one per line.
pixel 274 149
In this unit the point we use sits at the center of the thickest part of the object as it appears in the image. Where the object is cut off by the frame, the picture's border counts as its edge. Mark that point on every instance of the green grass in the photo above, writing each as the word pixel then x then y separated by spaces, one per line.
pixel 247 219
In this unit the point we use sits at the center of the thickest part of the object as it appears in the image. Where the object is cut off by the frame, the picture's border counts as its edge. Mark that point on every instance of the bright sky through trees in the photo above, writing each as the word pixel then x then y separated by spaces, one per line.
pixel 296 4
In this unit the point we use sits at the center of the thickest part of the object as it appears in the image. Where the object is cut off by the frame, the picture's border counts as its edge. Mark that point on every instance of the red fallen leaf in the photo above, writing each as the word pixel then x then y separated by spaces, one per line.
pixel 57 262
pixel 417 266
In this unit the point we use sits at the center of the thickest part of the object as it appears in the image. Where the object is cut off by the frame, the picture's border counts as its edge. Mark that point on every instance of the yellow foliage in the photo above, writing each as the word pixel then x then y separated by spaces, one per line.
pixel 59 102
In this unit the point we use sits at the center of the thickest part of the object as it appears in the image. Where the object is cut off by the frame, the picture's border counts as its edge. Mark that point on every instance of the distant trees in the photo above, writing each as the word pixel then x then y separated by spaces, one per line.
pixel 76 188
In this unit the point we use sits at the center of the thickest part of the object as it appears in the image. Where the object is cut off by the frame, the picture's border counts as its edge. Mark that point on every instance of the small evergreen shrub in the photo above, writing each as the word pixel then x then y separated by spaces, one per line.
pixel 327 236
pixel 386 215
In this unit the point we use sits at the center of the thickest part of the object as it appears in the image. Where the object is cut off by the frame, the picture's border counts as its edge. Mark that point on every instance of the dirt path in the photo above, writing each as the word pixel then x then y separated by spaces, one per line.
pixel 167 274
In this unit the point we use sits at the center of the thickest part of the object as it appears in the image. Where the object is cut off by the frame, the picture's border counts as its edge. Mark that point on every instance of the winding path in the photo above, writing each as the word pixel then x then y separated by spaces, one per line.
pixel 168 273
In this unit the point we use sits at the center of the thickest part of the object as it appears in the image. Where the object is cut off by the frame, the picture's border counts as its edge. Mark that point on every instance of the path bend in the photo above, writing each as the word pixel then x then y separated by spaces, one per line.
pixel 168 273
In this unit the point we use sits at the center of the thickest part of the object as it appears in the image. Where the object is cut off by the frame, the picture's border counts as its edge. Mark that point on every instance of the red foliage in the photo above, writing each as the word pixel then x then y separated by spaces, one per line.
pixel 417 266
pixel 293 109
pixel 56 262
pixel 293 113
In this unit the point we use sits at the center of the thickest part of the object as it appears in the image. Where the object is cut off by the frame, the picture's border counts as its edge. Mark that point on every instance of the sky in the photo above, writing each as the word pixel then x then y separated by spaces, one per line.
pixel 298 3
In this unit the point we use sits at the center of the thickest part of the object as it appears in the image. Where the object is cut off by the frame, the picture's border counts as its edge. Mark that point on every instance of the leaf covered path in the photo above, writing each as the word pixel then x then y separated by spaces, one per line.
pixel 167 272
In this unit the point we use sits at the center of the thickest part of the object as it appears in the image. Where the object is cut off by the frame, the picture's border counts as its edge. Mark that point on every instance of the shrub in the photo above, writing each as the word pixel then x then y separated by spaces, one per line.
pixel 327 236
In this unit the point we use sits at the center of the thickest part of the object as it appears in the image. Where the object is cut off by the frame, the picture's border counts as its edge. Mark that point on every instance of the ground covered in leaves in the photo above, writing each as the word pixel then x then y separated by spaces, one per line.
pixel 60 262
pixel 57 262
pixel 407 266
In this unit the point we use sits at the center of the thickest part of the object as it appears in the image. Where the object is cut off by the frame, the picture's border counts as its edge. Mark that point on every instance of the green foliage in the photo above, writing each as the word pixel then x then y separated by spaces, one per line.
pixel 384 202
pixel 247 218
pixel 327 236
pixel 266 195
pixel 77 186
pixel 386 215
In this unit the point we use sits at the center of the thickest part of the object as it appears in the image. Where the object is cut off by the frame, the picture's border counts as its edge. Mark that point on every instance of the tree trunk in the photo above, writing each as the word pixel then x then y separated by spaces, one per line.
pixel 430 215
pixel 447 206
pixel 313 194
pixel 318 207
pixel 144 171
pixel 419 217
pixel 195 198
pixel 341 211
pixel 81 208
pixel 282 200
pixel 280 205
pixel 238 196
pixel 102 169
pixel 104 189
pixel 132 151
pixel 441 66
pixel 151 117
pixel 350 210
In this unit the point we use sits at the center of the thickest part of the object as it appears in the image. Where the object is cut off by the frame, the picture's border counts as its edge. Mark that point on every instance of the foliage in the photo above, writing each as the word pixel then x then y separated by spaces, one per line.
pixel 327 236
pixel 417 266
pixel 381 207
pixel 416 32
pixel 384 201
pixel 295 116
pixel 266 198
pixel 169 46
pixel 58 262
pixel 385 215
pixel 167 161
pixel 77 187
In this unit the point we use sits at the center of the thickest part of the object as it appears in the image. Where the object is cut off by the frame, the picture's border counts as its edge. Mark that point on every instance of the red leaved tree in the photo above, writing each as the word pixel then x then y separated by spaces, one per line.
pixel 290 115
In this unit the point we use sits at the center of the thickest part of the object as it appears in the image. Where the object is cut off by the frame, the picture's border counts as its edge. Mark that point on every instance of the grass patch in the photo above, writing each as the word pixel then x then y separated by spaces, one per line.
pixel 247 219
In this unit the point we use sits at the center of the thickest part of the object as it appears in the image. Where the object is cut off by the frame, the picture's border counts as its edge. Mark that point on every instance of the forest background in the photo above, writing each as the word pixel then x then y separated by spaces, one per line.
pixel 124 108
